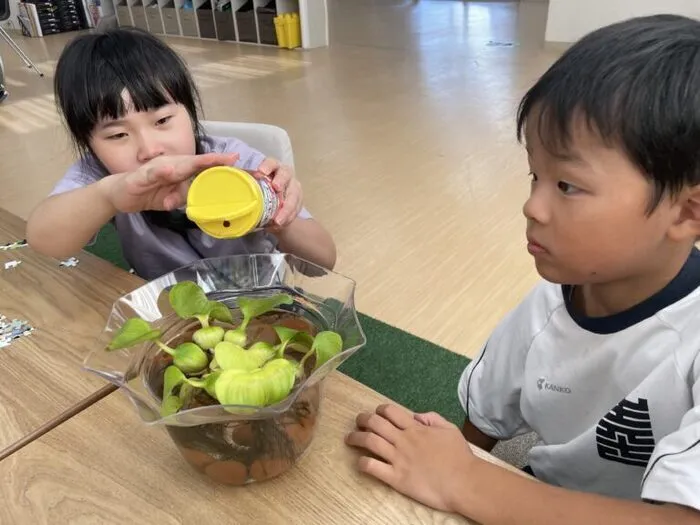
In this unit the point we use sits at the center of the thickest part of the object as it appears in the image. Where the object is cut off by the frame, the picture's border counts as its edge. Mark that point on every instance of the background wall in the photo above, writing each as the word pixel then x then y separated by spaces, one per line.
pixel 569 20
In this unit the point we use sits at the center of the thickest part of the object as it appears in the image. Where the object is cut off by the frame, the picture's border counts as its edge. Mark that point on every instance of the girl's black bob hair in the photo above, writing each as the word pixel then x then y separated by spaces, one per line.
pixel 95 69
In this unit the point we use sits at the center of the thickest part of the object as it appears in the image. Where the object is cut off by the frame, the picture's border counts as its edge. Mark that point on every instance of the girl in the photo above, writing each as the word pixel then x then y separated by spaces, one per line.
pixel 131 108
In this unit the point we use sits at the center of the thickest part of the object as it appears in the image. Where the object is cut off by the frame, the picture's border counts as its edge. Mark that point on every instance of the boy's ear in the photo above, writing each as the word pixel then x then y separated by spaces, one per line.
pixel 688 223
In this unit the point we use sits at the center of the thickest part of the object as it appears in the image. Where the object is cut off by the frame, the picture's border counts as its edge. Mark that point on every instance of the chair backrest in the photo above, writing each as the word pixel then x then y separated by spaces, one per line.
pixel 270 140
pixel 4 10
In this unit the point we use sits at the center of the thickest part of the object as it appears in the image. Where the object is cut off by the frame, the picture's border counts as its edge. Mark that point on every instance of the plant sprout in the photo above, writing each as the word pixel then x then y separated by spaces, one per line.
pixel 251 308
pixel 218 363
pixel 188 300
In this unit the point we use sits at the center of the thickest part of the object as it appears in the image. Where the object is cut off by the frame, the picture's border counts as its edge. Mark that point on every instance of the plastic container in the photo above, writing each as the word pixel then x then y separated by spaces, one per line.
pixel 281 31
pixel 288 30
pixel 227 202
pixel 233 447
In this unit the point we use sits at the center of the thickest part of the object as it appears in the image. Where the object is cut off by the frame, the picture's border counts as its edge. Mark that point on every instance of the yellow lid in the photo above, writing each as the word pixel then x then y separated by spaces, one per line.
pixel 225 202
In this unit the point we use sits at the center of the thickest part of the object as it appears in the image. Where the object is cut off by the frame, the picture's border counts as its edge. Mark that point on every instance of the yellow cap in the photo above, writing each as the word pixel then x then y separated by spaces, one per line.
pixel 225 202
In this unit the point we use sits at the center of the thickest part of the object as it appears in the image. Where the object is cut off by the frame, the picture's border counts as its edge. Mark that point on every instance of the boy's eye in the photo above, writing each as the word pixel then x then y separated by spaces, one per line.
pixel 163 120
pixel 566 188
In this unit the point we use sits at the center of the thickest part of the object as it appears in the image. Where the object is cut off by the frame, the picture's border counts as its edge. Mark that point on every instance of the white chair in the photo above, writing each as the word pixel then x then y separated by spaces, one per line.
pixel 271 140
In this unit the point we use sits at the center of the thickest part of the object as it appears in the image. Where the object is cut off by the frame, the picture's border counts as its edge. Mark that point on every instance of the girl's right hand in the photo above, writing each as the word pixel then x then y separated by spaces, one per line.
pixel 161 183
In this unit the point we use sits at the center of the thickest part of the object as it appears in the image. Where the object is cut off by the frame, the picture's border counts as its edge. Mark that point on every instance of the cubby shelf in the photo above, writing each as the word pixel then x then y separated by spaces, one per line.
pixel 243 21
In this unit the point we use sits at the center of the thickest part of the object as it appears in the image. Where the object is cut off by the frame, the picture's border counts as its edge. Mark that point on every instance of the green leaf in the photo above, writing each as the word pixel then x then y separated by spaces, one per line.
pixel 326 345
pixel 220 312
pixel 236 387
pixel 252 307
pixel 279 375
pixel 132 332
pixel 210 382
pixel 194 382
pixel 236 337
pixel 172 378
pixel 289 336
pixel 170 406
pixel 186 393
pixel 188 300
pixel 285 334
pixel 233 357
pixel 262 351
pixel 190 358
pixel 208 337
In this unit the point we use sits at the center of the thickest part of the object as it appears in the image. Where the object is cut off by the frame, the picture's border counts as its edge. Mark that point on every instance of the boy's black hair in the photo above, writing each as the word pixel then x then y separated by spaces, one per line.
pixel 94 70
pixel 637 85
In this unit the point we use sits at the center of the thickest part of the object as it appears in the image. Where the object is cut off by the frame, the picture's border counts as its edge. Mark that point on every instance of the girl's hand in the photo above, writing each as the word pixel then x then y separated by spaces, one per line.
pixel 288 189
pixel 420 455
pixel 161 183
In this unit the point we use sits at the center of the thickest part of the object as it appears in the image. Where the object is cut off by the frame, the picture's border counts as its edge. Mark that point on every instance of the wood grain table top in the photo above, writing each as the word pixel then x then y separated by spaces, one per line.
pixel 102 464
pixel 105 466
pixel 67 307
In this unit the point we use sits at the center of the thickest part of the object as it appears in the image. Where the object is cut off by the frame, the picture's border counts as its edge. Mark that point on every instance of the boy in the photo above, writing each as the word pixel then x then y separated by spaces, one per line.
pixel 602 359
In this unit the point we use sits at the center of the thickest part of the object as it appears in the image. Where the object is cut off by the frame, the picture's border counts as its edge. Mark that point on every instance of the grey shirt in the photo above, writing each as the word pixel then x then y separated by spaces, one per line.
pixel 155 243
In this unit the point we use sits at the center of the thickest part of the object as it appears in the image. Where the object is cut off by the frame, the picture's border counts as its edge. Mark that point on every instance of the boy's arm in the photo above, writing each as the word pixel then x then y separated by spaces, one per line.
pixel 477 437
pixel 307 239
pixel 492 495
pixel 63 224
pixel 432 463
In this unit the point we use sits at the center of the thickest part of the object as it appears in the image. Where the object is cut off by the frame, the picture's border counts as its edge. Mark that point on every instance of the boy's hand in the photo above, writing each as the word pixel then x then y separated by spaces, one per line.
pixel 160 184
pixel 288 189
pixel 422 456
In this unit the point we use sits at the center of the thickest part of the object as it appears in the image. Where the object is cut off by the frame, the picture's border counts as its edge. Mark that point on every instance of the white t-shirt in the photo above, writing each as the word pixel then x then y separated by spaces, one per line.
pixel 614 400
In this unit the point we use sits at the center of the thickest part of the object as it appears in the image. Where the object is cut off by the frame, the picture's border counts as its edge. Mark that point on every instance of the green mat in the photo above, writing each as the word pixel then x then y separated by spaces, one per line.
pixel 411 371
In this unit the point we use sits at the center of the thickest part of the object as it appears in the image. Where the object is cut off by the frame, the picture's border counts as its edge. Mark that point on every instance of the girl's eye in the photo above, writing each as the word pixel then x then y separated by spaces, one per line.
pixel 163 120
pixel 116 136
pixel 566 188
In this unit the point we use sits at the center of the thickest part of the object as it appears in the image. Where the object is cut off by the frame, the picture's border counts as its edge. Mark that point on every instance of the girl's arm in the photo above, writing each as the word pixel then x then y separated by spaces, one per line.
pixel 63 224
pixel 308 240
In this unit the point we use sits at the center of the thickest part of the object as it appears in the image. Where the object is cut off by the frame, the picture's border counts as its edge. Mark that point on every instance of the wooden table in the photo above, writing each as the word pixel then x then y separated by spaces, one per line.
pixel 103 465
pixel 41 373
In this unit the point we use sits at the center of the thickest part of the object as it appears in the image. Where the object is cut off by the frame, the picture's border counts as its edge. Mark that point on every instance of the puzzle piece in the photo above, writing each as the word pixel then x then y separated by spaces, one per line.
pixel 12 264
pixel 13 245
pixel 70 263
pixel 11 330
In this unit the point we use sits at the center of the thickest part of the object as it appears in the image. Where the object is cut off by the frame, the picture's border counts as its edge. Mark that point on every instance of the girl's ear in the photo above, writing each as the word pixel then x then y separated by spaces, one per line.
pixel 687 225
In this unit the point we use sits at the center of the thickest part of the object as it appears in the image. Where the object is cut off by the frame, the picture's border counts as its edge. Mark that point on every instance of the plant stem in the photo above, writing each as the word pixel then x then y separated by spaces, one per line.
pixel 303 359
pixel 204 320
pixel 165 348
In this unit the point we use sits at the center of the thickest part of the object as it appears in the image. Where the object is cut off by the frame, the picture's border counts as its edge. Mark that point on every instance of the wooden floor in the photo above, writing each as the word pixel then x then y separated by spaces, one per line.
pixel 404 140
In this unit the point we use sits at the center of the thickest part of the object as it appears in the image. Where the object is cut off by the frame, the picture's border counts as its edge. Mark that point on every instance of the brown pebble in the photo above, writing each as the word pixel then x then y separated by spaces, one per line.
pixel 296 323
pixel 266 468
pixel 309 421
pixel 243 434
pixel 227 472
pixel 300 434
pixel 196 458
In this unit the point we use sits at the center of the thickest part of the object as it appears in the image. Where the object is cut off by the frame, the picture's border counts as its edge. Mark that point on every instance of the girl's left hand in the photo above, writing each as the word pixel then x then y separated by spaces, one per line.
pixel 288 189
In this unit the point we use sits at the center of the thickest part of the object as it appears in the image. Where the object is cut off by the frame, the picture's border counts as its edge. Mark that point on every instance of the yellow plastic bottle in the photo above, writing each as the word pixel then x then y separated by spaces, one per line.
pixel 281 31
pixel 292 25
pixel 295 39
pixel 227 202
